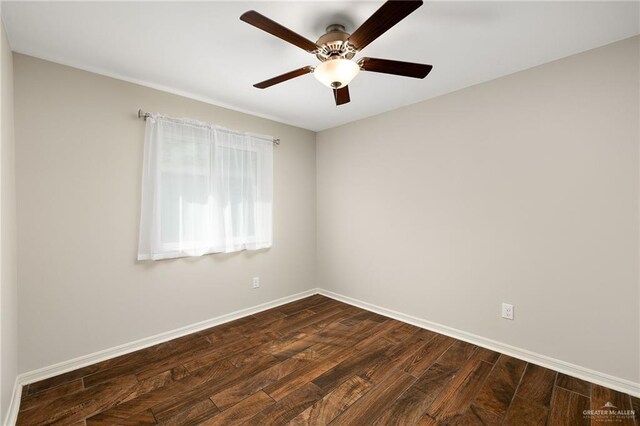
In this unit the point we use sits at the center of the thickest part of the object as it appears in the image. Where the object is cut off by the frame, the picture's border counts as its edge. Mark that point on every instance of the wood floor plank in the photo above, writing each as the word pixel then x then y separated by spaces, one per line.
pixel 457 354
pixel 250 330
pixel 377 371
pixel 332 321
pixel 329 304
pixel 289 407
pixel 193 414
pixel 438 377
pixel 281 348
pixel 42 385
pixel 395 356
pixel 270 315
pixel 524 412
pixel 334 403
pixel 379 332
pixel 371 316
pixel 287 345
pixel 402 333
pixel 144 418
pixel 476 416
pixel 170 395
pixel 133 363
pixel 406 410
pixel 286 321
pixel 332 357
pixel 152 353
pixel 306 322
pixel 50 394
pixel 247 387
pixel 370 406
pixel 353 365
pixel 435 379
pixel 242 411
pixel 329 315
pixel 302 304
pixel 457 396
pixel 574 384
pixel 179 372
pixel 537 384
pixel 404 350
pixel 427 421
pixel 203 357
pixel 315 361
pixel 235 328
pixel 422 359
pixel 486 355
pixel 501 385
pixel 210 385
pixel 306 374
pixel 148 385
pixel 341 334
pixel 319 352
pixel 75 407
pixel 567 408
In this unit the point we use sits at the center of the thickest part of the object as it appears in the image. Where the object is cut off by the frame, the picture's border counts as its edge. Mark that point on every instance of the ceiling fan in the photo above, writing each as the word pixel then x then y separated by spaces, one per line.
pixel 336 49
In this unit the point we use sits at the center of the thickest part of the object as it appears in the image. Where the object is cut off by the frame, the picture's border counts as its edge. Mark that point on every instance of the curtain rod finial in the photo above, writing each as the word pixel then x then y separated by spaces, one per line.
pixel 142 114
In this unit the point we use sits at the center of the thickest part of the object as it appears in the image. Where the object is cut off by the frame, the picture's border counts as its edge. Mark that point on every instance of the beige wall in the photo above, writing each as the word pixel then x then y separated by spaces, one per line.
pixel 8 275
pixel 524 190
pixel 521 190
pixel 79 157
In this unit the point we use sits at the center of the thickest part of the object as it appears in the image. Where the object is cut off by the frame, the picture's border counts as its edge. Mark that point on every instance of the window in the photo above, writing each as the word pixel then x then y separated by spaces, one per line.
pixel 205 190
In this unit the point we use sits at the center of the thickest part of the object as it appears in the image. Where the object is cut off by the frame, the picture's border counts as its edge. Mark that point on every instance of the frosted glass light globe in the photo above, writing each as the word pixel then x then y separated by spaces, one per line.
pixel 336 73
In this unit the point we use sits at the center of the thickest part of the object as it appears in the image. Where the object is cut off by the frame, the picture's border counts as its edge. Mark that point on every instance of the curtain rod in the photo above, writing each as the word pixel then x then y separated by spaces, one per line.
pixel 145 115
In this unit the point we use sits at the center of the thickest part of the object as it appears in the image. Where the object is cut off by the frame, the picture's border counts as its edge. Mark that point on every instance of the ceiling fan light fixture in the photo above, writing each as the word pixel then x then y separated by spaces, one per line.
pixel 336 48
pixel 336 73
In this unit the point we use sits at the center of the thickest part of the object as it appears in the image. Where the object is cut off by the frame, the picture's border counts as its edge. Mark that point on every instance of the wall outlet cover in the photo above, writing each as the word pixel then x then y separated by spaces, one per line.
pixel 507 311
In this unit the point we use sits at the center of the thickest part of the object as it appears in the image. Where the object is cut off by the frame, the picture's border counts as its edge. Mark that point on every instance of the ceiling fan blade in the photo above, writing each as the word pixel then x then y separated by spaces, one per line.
pixel 341 95
pixel 384 18
pixel 387 66
pixel 265 24
pixel 284 77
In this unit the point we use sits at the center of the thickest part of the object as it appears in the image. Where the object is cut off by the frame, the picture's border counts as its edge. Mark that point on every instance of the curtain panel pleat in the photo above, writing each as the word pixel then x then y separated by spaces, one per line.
pixel 205 189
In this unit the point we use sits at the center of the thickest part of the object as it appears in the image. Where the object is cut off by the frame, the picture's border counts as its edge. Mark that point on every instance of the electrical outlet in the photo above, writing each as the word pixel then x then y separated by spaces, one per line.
pixel 507 311
pixel 256 282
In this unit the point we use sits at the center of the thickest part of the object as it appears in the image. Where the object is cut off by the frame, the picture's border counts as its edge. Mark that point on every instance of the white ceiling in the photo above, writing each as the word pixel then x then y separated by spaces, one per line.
pixel 202 50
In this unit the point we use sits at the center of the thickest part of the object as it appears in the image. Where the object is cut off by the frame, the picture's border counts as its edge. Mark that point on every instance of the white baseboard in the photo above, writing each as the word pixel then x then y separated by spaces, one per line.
pixel 593 376
pixel 82 361
pixel 14 404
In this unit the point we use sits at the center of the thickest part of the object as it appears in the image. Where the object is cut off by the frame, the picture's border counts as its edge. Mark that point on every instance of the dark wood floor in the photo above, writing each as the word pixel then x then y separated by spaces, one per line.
pixel 316 361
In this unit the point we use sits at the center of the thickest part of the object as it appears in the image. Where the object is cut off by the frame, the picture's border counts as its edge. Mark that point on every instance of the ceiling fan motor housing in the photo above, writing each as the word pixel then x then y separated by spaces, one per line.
pixel 334 44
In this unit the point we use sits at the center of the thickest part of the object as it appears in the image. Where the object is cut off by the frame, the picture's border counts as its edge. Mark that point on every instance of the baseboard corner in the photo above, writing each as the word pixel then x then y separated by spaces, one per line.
pixel 14 405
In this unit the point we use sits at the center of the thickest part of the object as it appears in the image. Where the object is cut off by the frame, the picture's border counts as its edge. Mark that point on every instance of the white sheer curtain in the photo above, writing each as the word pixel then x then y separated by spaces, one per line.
pixel 205 189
